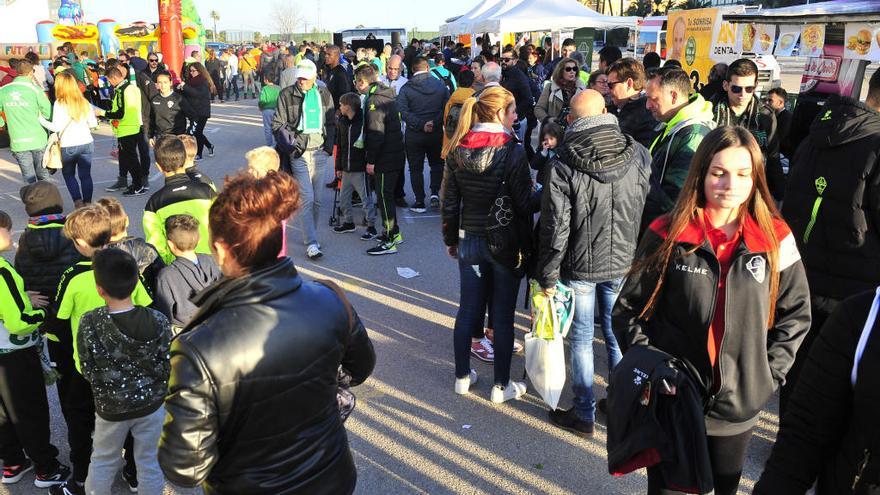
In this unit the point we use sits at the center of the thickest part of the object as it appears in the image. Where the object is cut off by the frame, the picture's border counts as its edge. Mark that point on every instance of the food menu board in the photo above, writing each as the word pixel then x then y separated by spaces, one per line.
pixel 755 38
pixel 862 42
pixel 788 37
pixel 812 40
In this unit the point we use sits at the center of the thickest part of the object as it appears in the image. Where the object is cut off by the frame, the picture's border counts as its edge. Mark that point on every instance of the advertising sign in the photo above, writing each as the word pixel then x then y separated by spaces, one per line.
pixel 812 40
pixel 691 35
pixel 788 37
pixel 832 72
pixel 583 40
pixel 755 38
pixel 861 42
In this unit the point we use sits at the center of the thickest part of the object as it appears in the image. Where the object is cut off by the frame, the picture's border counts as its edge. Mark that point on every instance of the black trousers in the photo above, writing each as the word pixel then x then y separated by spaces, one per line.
pixel 24 412
pixel 197 130
pixel 821 308
pixel 727 455
pixel 144 152
pixel 531 125
pixel 385 184
pixel 398 187
pixel 129 162
pixel 418 146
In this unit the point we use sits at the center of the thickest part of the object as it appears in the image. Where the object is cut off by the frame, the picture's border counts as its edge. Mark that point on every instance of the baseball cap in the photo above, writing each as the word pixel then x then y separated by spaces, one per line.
pixel 306 69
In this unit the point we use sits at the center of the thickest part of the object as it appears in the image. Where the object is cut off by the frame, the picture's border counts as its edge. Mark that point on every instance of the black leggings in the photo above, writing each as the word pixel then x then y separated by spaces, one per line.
pixel 727 454
pixel 197 129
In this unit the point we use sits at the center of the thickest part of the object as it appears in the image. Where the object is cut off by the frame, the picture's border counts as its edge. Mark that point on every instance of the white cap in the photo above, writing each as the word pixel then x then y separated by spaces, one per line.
pixel 306 69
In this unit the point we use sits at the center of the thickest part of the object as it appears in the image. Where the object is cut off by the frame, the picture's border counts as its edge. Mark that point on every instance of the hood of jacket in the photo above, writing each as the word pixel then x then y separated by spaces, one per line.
pixel 697 111
pixel 425 84
pixel 724 115
pixel 480 149
pixel 843 120
pixel 113 338
pixel 47 241
pixel 595 146
pixel 382 91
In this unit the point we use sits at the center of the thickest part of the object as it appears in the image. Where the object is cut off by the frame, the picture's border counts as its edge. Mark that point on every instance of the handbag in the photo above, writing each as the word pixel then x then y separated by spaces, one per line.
pixel 52 153
pixel 504 231
pixel 544 348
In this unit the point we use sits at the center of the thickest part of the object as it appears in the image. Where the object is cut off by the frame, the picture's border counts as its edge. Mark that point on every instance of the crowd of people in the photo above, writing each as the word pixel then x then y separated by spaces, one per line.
pixel 666 212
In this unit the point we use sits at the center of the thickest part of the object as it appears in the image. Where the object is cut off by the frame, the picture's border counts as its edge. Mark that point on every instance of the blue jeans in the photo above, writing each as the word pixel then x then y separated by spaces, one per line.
pixel 268 114
pixel 587 295
pixel 78 158
pixel 31 164
pixel 308 170
pixel 232 85
pixel 481 276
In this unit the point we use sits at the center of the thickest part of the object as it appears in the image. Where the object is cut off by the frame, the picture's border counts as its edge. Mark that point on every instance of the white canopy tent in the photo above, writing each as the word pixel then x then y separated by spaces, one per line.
pixel 462 24
pixel 550 15
pixel 487 22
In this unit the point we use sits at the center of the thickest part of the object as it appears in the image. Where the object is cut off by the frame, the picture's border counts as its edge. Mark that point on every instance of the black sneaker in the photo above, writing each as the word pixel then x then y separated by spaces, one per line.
pixel 332 184
pixel 345 228
pixel 210 151
pixel 56 479
pixel 13 474
pixel 418 207
pixel 146 183
pixel 130 479
pixel 401 202
pixel 383 248
pixel 131 191
pixel 568 420
pixel 120 184
pixel 370 234
pixel 198 158
pixel 69 488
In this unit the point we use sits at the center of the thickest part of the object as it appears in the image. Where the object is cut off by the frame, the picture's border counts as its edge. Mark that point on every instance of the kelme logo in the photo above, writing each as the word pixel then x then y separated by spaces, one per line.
pixel 827 115
pixel 690 51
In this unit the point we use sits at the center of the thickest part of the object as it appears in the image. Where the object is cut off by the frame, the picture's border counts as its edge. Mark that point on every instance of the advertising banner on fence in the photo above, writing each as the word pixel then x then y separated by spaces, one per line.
pixel 691 34
pixel 861 42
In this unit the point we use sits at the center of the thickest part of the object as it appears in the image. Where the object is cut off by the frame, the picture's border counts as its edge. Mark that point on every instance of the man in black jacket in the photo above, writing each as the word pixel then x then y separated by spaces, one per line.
pixel 590 209
pixel 738 105
pixel 383 146
pixel 833 207
pixel 626 83
pixel 338 82
pixel 304 126
pixel 516 81
pixel 422 101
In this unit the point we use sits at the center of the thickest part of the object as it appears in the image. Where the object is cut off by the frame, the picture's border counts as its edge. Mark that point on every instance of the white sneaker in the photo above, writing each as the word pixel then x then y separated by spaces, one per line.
pixel 314 251
pixel 513 390
pixel 463 385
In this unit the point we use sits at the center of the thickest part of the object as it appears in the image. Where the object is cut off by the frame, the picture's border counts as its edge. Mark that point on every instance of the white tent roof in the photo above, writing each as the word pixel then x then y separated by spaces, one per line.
pixel 488 21
pixel 461 25
pixel 543 15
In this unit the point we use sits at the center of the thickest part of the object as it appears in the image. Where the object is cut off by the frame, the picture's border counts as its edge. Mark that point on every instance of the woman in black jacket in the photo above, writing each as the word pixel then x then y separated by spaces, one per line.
pixel 481 154
pixel 718 283
pixel 829 433
pixel 217 72
pixel 198 91
pixel 252 402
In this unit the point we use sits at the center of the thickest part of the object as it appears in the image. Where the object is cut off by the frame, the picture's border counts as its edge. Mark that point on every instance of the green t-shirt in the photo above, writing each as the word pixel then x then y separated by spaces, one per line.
pixel 23 103
pixel 78 294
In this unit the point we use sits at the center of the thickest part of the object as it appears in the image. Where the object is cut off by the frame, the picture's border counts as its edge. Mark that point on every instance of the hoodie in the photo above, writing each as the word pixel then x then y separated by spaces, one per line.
pixel 472 178
pixel 591 204
pixel 44 253
pixel 422 99
pixel 179 282
pixel 383 139
pixel 832 201
pixel 124 356
pixel 672 151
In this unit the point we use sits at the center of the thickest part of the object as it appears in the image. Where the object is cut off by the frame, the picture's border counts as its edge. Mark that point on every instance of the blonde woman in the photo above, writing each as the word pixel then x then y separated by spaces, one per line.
pixel 481 156
pixel 73 119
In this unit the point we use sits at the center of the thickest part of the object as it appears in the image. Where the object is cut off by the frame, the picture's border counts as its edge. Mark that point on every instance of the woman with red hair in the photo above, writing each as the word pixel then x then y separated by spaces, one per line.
pixel 252 404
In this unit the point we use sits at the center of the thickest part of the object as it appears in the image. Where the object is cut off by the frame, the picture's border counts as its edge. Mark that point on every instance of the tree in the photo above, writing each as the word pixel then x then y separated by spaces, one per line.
pixel 215 16
pixel 258 37
pixel 286 17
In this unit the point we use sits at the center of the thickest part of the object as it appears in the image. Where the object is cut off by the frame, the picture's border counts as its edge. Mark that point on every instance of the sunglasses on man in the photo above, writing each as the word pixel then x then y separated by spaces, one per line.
pixel 154 60
pixel 739 89
pixel 506 59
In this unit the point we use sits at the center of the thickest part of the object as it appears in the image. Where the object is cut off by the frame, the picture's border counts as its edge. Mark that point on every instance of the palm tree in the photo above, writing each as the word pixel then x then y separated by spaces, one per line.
pixel 215 16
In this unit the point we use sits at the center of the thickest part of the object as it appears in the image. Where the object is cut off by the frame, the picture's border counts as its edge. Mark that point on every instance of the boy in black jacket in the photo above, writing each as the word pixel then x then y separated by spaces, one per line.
pixel 187 275
pixel 145 254
pixel 194 173
pixel 351 165
pixel 123 352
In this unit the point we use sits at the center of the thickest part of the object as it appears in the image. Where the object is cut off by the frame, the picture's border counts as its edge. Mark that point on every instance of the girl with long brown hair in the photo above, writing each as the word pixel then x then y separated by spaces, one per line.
pixel 481 158
pixel 197 91
pixel 73 120
pixel 718 283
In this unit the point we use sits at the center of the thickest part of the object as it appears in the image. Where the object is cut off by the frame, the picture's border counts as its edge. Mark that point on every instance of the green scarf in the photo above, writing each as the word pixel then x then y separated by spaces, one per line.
pixel 359 143
pixel 312 116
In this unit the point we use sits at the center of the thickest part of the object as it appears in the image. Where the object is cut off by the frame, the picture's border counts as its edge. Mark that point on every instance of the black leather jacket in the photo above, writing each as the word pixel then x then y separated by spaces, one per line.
pixel 251 407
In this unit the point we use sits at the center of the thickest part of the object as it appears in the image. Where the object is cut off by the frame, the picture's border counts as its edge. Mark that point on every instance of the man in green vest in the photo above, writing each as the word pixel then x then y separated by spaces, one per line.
pixel 21 104
pixel 126 120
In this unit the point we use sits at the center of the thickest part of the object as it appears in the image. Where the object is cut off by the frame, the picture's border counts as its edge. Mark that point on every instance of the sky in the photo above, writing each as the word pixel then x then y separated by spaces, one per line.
pixel 328 15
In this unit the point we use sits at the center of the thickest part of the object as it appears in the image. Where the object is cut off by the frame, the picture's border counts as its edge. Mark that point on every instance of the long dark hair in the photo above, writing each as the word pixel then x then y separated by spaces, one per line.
pixel 204 76
pixel 692 200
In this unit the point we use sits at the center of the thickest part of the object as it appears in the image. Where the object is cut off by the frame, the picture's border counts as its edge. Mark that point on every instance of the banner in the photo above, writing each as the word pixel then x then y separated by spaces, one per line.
pixel 812 40
pixel 755 38
pixel 831 72
pixel 861 42
pixel 788 36
pixel 691 34
pixel 583 40
pixel 19 50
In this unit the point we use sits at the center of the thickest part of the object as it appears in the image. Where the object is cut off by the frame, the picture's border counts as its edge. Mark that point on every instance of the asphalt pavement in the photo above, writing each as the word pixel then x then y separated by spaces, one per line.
pixel 410 433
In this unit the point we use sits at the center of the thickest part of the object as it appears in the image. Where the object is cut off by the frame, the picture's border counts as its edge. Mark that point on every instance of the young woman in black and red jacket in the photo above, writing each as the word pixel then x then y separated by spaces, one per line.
pixel 719 284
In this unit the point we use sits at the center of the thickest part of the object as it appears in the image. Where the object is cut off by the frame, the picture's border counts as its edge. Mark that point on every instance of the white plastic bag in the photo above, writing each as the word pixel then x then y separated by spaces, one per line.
pixel 545 364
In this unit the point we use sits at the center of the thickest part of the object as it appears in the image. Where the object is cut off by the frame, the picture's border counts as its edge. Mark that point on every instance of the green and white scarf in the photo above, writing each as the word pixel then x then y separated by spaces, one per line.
pixel 312 120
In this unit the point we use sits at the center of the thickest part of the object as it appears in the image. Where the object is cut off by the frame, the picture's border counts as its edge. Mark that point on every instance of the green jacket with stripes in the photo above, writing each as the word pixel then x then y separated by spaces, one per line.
pixel 19 318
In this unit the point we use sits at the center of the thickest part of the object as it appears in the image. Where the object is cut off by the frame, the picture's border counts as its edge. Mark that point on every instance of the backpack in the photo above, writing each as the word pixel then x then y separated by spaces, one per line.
pixel 447 80
pixel 452 117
